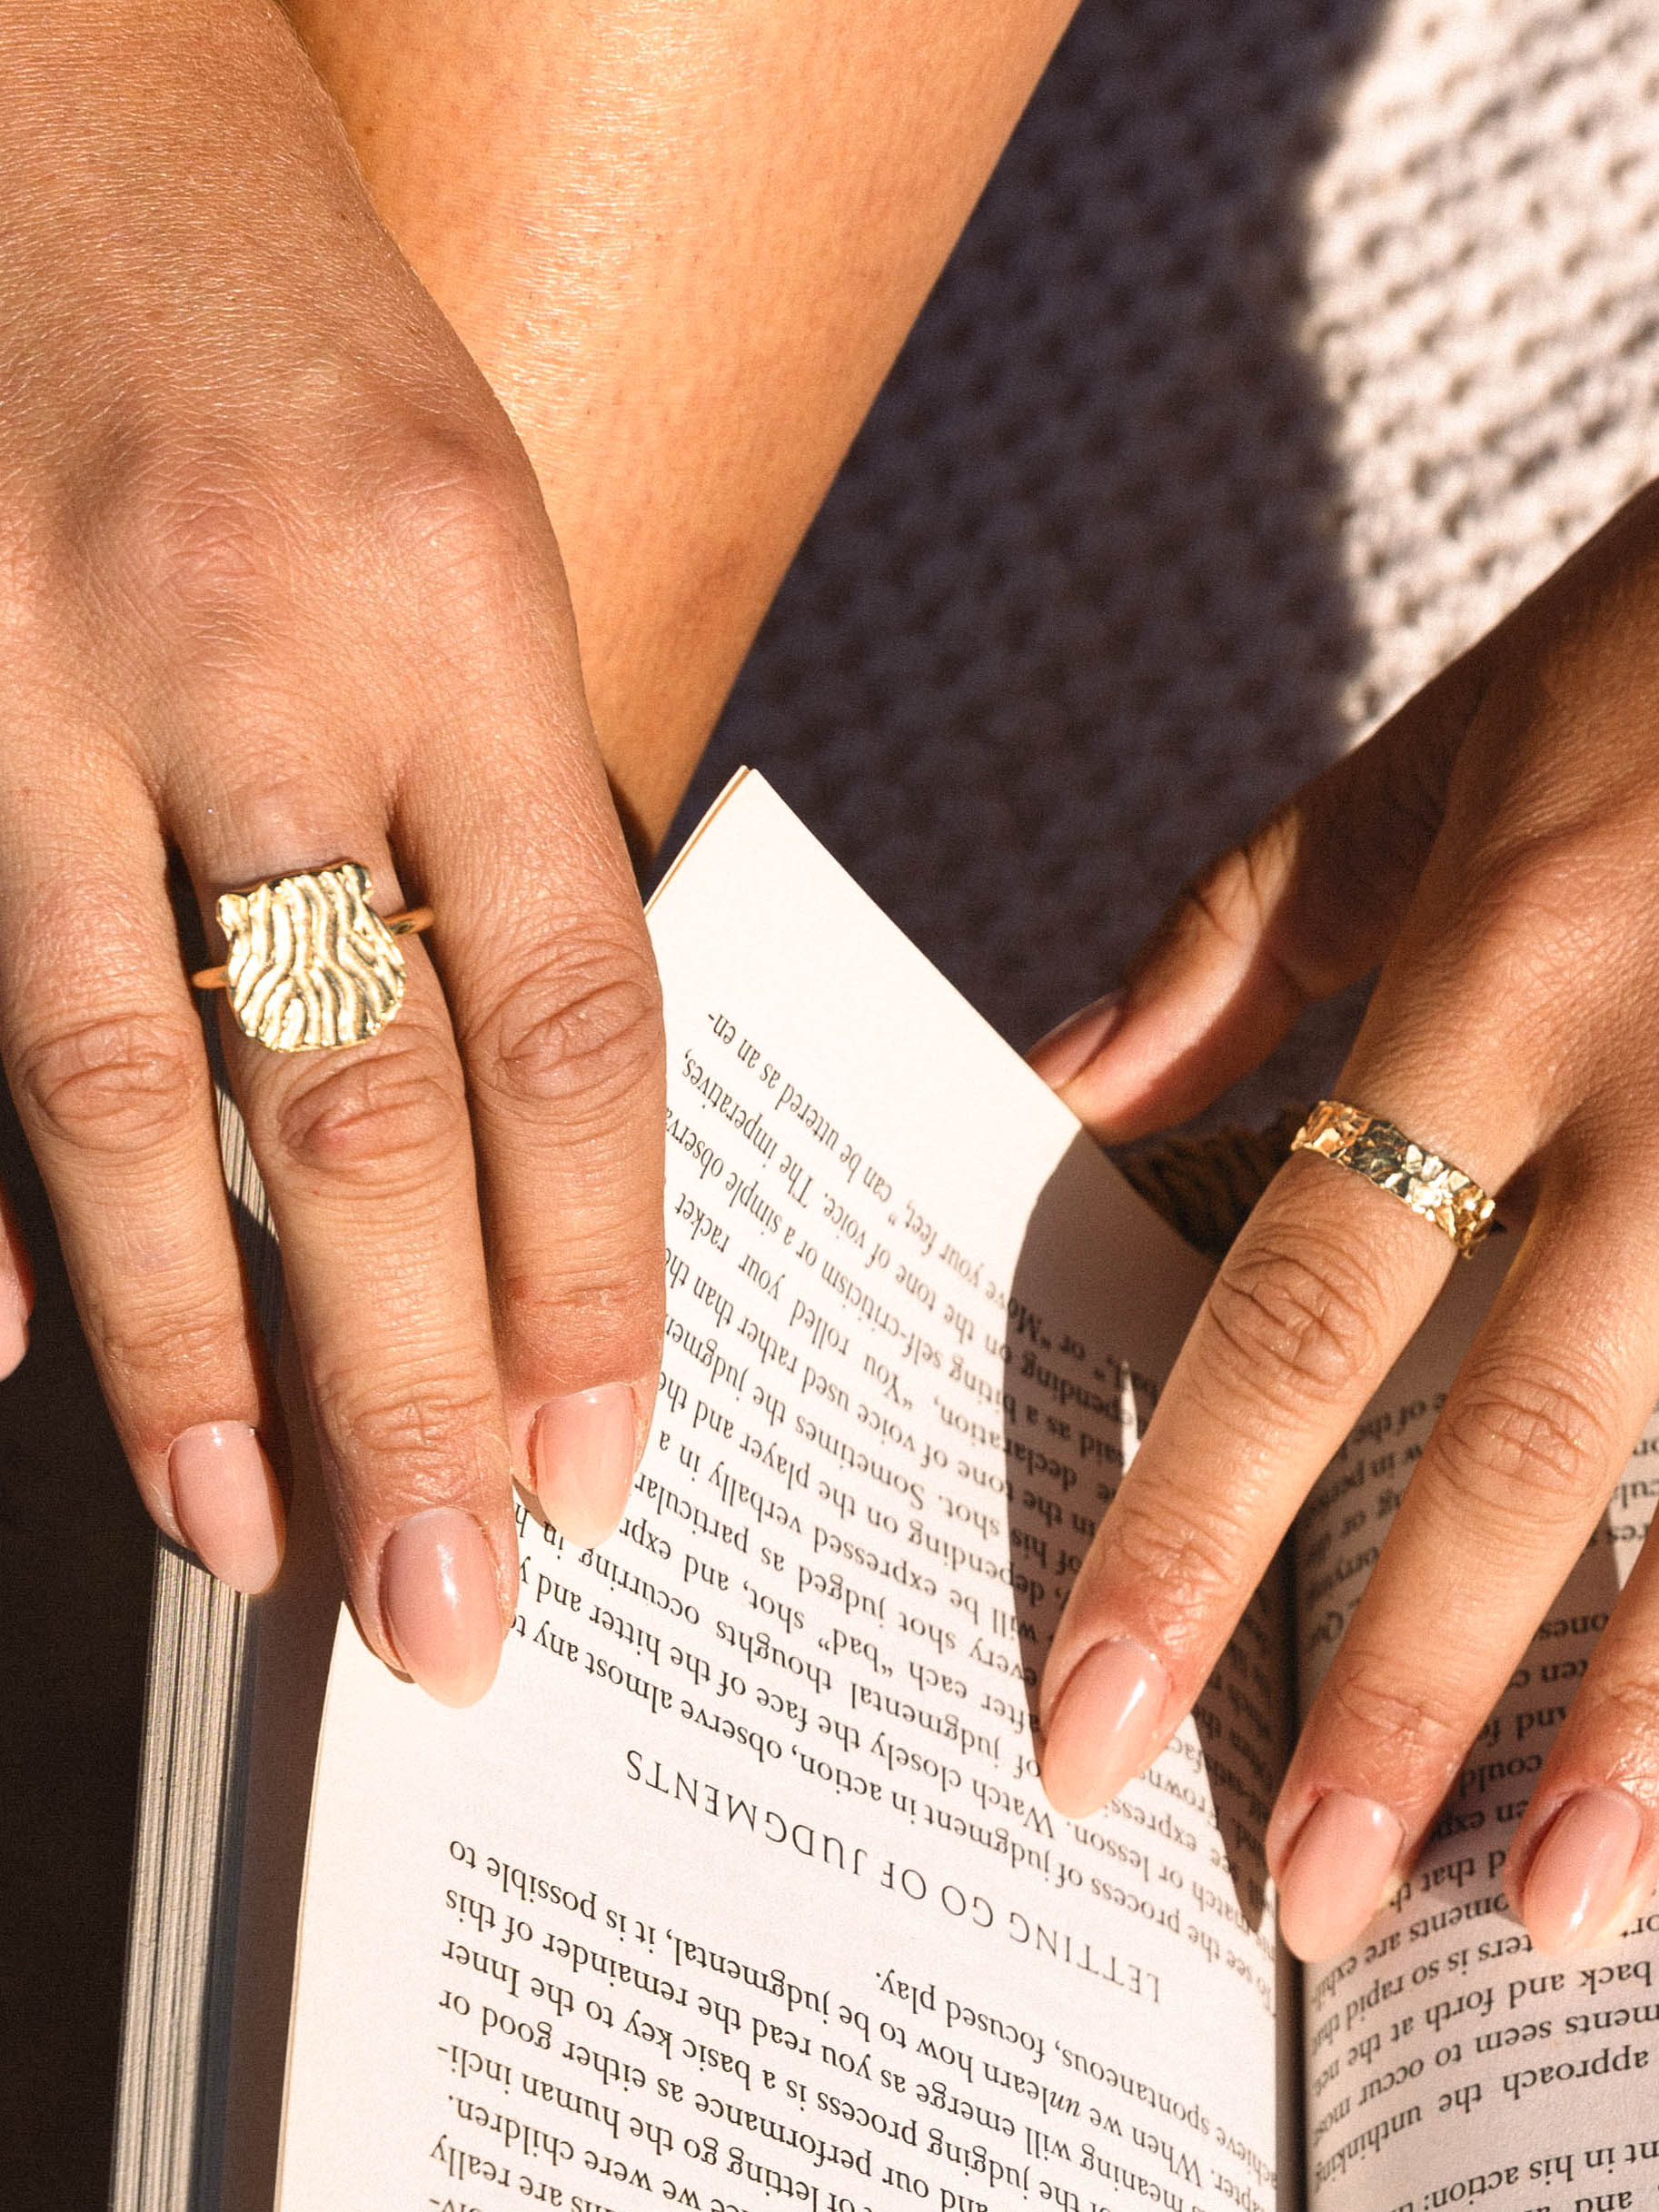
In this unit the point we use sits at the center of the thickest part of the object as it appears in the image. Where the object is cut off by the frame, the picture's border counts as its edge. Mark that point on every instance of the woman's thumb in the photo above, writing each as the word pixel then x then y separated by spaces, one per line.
pixel 1308 903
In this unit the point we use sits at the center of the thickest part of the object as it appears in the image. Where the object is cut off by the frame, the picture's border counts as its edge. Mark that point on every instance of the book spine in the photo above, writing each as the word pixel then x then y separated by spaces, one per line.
pixel 192 1791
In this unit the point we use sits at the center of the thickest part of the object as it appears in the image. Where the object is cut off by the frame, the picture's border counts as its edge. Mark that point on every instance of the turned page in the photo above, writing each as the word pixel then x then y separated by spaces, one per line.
pixel 739 1889
pixel 1448 2062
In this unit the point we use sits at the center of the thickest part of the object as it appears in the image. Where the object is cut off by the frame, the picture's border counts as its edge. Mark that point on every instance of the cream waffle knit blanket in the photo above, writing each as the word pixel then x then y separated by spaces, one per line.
pixel 1292 343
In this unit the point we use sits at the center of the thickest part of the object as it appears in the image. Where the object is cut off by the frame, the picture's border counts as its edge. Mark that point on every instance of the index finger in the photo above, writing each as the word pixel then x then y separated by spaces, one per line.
pixel 1318 1298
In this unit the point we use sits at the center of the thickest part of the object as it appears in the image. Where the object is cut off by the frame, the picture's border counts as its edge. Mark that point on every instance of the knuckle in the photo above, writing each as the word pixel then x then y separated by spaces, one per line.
pixel 1222 900
pixel 1522 1437
pixel 121 1083
pixel 415 1436
pixel 1537 906
pixel 1187 1566
pixel 1401 1739
pixel 203 537
pixel 144 1354
pixel 583 1033
pixel 1225 896
pixel 1625 1709
pixel 1295 1325
pixel 448 498
pixel 383 1117
pixel 609 1317
pixel 1411 792
pixel 211 533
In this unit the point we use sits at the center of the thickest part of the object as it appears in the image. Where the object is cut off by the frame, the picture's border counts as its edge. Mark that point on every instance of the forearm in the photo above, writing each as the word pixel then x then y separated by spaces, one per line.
pixel 684 242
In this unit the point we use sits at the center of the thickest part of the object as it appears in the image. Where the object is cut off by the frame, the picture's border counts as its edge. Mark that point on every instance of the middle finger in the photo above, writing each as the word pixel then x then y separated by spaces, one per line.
pixel 1544 1410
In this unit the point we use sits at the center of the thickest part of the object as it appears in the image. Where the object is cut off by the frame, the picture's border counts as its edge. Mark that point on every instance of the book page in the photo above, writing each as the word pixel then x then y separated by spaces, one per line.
pixel 1448 2063
pixel 738 1890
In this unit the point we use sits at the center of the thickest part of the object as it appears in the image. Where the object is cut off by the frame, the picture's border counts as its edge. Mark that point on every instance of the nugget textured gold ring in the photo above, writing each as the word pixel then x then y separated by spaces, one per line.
pixel 311 964
pixel 1386 1156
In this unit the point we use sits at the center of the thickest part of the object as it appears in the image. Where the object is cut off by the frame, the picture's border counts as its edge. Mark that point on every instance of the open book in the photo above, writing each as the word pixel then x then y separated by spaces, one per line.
pixel 739 1891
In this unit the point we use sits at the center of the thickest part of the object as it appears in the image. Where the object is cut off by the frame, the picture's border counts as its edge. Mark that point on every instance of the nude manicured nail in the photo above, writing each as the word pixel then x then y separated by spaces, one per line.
pixel 14 1327
pixel 227 1503
pixel 1338 1873
pixel 1103 1726
pixel 1576 1887
pixel 438 1594
pixel 1066 1051
pixel 582 1451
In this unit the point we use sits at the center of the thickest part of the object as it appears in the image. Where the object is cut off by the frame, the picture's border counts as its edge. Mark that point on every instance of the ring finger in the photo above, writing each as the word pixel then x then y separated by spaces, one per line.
pixel 366 1153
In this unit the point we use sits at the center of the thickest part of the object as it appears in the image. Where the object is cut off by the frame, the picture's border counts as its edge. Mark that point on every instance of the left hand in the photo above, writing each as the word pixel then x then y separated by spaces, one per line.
pixel 1495 847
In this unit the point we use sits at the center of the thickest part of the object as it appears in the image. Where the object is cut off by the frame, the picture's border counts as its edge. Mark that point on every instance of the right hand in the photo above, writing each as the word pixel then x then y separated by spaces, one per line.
pixel 278 588
pixel 1490 852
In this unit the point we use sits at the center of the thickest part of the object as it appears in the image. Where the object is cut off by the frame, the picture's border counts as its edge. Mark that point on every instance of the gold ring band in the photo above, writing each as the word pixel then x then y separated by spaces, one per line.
pixel 1370 1146
pixel 409 923
pixel 311 964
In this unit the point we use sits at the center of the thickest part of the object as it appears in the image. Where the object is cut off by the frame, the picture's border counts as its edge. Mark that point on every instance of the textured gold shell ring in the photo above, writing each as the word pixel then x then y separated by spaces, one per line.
pixel 310 962
pixel 1386 1156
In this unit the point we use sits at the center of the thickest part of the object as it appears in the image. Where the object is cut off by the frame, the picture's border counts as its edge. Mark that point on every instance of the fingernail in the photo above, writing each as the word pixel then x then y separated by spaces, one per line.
pixel 1066 1051
pixel 1336 1875
pixel 582 1451
pixel 438 1595
pixel 1102 1726
pixel 1575 1892
pixel 227 1503
pixel 14 1326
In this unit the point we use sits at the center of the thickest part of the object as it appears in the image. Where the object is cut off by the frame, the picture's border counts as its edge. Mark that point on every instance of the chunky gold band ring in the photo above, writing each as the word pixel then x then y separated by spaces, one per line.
pixel 1386 1156
pixel 310 962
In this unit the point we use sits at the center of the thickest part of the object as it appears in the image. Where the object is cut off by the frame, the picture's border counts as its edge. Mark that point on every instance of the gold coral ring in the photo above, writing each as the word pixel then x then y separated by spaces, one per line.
pixel 1374 1149
pixel 311 964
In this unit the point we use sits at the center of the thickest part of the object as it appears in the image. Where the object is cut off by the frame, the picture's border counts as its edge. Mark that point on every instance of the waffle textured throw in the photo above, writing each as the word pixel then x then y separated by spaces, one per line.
pixel 1292 343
